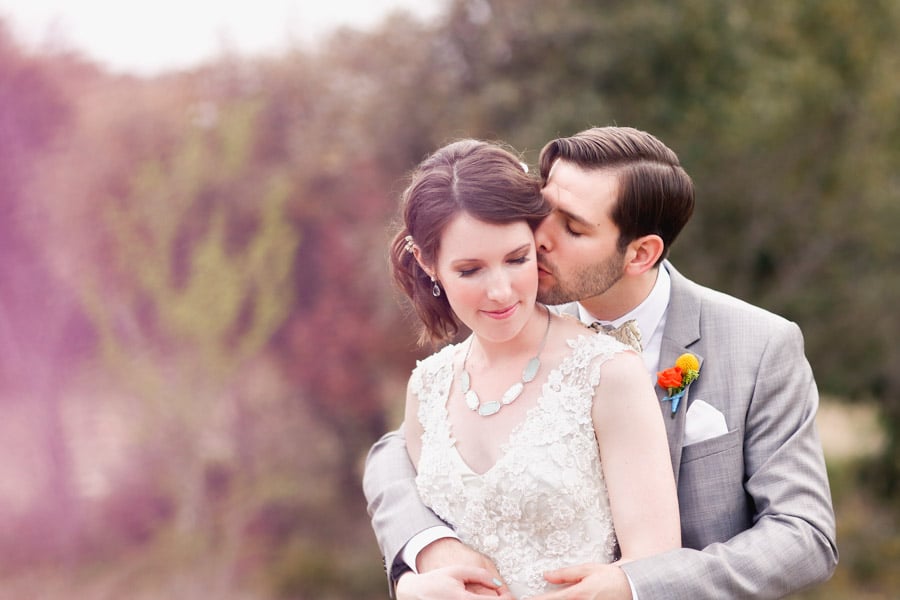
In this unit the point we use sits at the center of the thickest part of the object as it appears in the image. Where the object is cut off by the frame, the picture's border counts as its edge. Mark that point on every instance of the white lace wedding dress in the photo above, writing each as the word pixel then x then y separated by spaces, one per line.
pixel 544 504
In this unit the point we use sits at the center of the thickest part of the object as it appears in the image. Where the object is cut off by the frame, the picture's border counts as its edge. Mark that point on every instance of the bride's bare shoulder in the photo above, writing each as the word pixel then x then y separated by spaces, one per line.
pixel 571 326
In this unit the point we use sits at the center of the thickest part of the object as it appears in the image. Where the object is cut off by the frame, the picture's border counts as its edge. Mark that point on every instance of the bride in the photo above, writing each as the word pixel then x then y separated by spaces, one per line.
pixel 538 440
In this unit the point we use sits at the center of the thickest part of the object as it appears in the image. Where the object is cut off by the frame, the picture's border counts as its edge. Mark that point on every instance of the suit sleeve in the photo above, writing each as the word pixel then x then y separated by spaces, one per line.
pixel 791 542
pixel 394 505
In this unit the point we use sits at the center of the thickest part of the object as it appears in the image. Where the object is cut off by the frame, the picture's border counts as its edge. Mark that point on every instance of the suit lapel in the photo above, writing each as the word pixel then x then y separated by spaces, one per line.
pixel 682 330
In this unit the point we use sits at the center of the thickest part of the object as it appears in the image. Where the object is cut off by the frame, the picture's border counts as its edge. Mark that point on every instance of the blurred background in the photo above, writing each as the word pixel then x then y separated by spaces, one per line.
pixel 198 338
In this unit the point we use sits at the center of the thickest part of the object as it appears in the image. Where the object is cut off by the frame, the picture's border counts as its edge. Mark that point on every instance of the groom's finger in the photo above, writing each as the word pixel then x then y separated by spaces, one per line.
pixel 568 574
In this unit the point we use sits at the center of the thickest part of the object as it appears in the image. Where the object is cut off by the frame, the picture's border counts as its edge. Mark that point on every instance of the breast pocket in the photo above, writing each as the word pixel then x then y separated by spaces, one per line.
pixel 722 443
pixel 711 493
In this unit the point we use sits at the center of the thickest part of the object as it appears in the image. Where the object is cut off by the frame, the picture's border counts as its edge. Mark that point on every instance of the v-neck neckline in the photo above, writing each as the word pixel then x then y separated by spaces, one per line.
pixel 517 429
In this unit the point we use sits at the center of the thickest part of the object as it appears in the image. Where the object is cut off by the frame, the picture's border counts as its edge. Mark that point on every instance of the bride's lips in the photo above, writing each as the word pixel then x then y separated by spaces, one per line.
pixel 503 313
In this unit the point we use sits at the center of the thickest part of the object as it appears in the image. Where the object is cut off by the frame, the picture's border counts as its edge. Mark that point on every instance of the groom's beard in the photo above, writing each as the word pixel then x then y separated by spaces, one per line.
pixel 592 280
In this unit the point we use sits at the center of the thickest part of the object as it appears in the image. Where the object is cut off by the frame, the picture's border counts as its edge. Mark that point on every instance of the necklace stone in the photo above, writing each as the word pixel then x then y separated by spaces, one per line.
pixel 512 393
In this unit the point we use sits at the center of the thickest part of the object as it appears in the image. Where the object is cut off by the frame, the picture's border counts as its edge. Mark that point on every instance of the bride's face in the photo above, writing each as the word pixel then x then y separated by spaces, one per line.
pixel 489 274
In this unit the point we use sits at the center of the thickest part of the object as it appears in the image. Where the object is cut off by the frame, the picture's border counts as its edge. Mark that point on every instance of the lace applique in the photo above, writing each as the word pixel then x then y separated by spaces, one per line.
pixel 544 504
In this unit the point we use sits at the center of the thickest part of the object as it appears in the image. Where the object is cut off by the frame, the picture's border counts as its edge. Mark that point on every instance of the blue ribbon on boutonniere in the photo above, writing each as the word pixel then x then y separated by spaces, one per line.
pixel 675 380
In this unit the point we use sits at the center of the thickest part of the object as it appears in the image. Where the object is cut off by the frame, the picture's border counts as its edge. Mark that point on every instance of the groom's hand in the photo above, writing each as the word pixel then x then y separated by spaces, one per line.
pixel 591 581
pixel 448 552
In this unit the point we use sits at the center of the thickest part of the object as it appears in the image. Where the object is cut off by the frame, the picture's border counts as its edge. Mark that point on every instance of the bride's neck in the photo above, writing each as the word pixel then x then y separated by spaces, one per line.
pixel 524 343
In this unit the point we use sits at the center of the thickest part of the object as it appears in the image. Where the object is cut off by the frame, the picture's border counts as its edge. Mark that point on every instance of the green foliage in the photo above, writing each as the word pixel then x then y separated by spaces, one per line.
pixel 219 291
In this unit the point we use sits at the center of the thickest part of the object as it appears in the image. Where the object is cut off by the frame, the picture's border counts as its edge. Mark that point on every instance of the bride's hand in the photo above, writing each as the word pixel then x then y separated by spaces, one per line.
pixel 449 583
pixel 446 552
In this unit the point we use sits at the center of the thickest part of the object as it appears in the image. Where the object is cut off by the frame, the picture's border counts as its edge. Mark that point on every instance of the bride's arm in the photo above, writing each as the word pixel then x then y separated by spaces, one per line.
pixel 634 453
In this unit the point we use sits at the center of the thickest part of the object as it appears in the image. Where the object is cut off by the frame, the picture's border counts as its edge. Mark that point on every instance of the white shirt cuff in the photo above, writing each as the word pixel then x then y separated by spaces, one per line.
pixel 420 540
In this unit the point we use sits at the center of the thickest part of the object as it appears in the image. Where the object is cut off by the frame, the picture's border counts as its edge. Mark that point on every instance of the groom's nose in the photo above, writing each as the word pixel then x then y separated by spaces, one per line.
pixel 541 238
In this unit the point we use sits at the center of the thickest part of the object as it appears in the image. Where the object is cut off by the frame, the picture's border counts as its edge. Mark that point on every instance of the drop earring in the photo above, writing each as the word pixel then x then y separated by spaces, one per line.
pixel 435 289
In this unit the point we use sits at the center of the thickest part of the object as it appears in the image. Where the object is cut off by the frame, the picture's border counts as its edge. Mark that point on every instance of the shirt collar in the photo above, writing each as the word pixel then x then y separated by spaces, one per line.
pixel 648 313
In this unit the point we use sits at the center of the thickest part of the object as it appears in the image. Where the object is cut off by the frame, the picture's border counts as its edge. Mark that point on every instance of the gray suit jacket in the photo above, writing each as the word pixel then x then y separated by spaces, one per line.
pixel 756 513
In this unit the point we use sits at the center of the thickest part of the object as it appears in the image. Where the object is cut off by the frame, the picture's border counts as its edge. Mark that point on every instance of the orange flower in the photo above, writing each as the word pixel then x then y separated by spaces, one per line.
pixel 670 379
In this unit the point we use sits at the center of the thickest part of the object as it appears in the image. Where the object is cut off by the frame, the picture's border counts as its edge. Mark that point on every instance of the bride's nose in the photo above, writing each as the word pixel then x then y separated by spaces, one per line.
pixel 499 286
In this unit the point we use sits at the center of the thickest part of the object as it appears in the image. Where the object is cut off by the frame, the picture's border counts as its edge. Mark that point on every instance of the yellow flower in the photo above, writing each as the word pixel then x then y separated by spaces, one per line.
pixel 690 367
pixel 688 362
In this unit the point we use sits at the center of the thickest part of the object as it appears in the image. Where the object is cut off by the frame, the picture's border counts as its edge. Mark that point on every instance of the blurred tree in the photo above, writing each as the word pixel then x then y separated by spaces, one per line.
pixel 183 259
pixel 339 344
pixel 42 333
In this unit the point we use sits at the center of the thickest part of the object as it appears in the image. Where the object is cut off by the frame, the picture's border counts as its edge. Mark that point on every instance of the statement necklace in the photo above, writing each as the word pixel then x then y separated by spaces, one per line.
pixel 514 391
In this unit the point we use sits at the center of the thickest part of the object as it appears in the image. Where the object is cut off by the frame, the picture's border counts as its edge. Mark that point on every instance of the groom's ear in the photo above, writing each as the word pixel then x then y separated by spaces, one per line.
pixel 643 253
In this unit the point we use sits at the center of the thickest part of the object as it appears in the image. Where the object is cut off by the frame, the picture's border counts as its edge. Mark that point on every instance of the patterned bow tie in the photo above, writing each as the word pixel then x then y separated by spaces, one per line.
pixel 627 333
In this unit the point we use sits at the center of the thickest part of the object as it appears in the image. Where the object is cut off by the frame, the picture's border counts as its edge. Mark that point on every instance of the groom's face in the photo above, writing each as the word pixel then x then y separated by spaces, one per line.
pixel 578 257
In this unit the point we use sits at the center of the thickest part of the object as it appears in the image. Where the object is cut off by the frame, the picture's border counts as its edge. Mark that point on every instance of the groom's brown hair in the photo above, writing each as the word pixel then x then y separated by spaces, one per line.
pixel 656 195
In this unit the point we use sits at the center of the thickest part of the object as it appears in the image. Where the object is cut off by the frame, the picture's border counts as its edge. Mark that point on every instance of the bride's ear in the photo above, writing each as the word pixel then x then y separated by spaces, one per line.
pixel 417 253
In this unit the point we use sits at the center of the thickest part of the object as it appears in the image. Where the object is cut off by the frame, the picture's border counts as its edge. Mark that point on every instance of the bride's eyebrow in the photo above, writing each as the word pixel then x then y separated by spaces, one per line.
pixel 519 250
pixel 457 262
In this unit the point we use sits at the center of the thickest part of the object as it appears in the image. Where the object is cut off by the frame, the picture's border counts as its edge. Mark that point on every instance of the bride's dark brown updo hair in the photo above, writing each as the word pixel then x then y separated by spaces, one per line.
pixel 482 179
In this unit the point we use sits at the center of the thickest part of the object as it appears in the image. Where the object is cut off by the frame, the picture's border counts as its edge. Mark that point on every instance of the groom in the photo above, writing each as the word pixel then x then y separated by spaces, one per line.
pixel 756 514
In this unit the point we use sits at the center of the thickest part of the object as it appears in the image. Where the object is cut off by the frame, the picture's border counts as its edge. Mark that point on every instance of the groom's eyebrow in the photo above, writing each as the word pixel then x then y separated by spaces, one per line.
pixel 574 217
pixel 554 199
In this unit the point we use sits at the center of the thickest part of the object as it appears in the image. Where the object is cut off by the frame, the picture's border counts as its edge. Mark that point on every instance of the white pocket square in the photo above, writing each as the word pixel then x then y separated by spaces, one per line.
pixel 703 422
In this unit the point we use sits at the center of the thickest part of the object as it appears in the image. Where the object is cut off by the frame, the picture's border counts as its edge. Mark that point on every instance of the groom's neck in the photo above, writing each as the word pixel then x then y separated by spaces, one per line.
pixel 623 297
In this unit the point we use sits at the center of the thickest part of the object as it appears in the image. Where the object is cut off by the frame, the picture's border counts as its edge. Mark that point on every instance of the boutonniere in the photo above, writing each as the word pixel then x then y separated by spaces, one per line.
pixel 675 380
